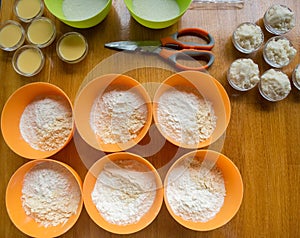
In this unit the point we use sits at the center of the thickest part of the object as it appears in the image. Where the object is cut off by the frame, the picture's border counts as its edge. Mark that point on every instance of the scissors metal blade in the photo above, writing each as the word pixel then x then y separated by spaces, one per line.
pixel 133 45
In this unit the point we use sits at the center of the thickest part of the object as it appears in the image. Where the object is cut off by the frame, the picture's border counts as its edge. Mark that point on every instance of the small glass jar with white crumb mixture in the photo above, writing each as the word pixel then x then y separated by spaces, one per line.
pixel 274 85
pixel 279 51
pixel 279 19
pixel 296 77
pixel 243 74
pixel 247 37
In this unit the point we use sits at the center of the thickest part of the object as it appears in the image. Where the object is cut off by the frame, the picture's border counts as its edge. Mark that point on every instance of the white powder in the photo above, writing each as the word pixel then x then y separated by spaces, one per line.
pixel 50 194
pixel 195 191
pixel 244 73
pixel 124 191
pixel 248 36
pixel 185 117
pixel 82 9
pixel 117 116
pixel 275 84
pixel 156 10
pixel 279 51
pixel 46 123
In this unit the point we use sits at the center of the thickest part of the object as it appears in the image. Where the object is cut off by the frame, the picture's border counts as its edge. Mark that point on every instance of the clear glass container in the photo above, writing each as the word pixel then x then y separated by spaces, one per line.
pixel 247 37
pixel 274 85
pixel 279 19
pixel 12 35
pixel 41 32
pixel 217 4
pixel 27 10
pixel 28 60
pixel 296 77
pixel 72 47
pixel 243 74
pixel 279 51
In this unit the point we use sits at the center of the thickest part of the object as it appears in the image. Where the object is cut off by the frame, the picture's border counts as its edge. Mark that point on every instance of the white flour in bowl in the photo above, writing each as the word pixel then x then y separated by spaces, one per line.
pixel 185 117
pixel 50 194
pixel 124 191
pixel 82 9
pixel 195 191
pixel 46 123
pixel 117 116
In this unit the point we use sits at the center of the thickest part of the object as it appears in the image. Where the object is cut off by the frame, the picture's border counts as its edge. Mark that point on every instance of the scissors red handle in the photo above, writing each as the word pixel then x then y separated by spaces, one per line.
pixel 172 40
pixel 188 54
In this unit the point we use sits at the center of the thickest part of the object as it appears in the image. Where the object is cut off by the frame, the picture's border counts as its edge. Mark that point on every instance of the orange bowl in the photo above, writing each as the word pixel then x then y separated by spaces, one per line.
pixel 89 184
pixel 233 186
pixel 207 87
pixel 15 210
pixel 12 113
pixel 84 103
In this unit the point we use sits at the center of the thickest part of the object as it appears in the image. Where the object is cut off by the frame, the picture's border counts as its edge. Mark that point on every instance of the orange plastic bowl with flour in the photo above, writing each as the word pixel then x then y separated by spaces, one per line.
pixel 89 184
pixel 233 186
pixel 207 88
pixel 96 88
pixel 12 113
pixel 16 212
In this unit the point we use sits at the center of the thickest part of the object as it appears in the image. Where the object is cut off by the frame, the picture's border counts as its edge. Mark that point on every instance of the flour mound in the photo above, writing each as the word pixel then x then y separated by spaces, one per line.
pixel 50 194
pixel 124 192
pixel 46 123
pixel 185 117
pixel 118 116
pixel 195 190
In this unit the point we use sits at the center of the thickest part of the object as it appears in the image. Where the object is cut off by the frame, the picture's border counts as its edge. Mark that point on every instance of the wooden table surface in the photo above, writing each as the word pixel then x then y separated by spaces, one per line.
pixel 262 138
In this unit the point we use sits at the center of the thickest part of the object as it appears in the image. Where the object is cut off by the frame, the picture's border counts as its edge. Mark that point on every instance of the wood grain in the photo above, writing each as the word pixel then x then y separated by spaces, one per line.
pixel 262 138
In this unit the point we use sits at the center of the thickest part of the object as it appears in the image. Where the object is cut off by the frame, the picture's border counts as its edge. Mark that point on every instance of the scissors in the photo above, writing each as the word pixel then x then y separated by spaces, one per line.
pixel 172 49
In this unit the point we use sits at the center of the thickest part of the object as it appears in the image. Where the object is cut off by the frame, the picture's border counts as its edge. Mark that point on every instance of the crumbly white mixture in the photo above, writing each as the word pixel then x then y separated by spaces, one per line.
pixel 82 9
pixel 275 84
pixel 124 191
pixel 117 116
pixel 297 74
pixel 279 51
pixel 195 190
pixel 244 73
pixel 50 194
pixel 46 123
pixel 280 18
pixel 185 117
pixel 248 36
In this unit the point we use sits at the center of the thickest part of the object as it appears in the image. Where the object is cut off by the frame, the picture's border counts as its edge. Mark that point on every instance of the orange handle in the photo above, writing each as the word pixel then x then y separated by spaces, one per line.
pixel 173 42
pixel 190 55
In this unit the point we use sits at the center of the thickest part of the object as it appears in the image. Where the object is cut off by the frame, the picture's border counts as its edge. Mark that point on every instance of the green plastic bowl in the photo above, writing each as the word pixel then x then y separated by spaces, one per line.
pixel 153 24
pixel 55 7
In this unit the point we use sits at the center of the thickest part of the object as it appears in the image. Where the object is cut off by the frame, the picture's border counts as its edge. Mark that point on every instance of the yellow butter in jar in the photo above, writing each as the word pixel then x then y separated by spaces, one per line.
pixel 72 47
pixel 12 35
pixel 28 60
pixel 27 10
pixel 41 32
